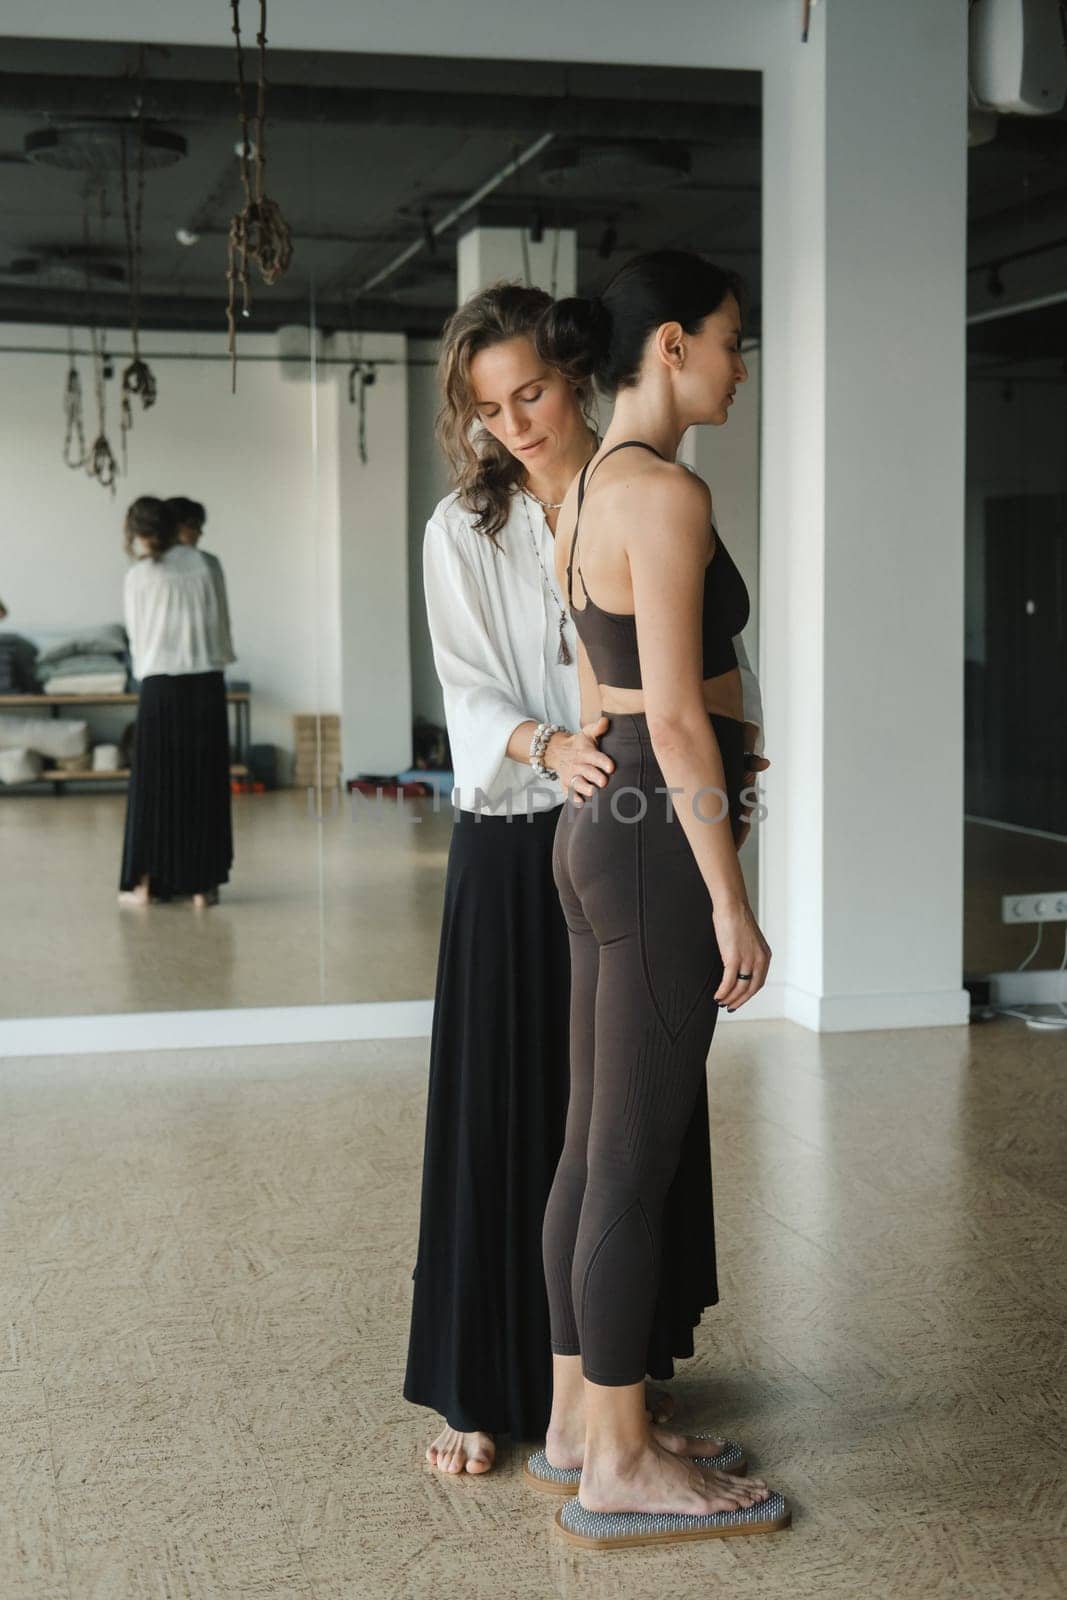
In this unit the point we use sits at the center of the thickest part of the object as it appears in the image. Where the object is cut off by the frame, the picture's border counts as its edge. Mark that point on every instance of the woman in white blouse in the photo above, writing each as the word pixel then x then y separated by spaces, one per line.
pixel 191 517
pixel 516 434
pixel 178 836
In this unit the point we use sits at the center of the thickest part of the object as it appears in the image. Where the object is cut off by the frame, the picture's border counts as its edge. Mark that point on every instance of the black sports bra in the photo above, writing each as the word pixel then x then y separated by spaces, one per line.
pixel 610 637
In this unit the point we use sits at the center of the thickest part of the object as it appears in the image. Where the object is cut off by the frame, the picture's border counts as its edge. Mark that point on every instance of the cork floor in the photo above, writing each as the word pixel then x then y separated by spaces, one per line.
pixel 204 1282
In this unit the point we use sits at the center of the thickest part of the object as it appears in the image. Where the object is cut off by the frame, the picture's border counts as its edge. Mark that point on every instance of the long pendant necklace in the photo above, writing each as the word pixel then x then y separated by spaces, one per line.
pixel 563 655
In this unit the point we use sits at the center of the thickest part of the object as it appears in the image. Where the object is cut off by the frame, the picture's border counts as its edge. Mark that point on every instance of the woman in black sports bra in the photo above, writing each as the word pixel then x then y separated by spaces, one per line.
pixel 661 932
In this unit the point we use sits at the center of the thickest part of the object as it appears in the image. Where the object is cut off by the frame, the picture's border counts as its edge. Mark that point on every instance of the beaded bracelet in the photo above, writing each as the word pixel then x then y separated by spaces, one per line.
pixel 539 744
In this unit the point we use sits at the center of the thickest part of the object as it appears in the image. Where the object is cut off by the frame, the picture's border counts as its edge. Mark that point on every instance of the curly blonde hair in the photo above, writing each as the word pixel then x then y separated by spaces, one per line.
pixel 485 473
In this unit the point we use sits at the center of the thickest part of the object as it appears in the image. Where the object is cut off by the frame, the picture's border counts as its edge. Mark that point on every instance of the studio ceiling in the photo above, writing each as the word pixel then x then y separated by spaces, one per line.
pixel 366 153
pixel 363 155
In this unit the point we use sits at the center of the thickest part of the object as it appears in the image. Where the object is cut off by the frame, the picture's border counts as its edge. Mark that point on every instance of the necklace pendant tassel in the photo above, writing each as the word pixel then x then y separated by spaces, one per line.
pixel 563 655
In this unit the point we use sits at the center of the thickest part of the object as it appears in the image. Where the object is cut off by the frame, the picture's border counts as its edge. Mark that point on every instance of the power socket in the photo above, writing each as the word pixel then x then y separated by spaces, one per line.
pixel 1048 907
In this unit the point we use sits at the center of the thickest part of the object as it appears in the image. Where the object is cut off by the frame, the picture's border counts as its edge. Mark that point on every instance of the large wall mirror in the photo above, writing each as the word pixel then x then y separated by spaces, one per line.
pixel 405 186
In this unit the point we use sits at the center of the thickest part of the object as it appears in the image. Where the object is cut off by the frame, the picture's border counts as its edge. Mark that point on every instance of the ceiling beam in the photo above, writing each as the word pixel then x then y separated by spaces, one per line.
pixel 59 97
pixel 181 312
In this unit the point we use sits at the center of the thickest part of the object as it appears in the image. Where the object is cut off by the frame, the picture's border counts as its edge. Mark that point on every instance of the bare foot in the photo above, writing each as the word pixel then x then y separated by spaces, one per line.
pixel 453 1451
pixel 656 1479
pixel 134 897
pixel 209 898
pixel 565 1447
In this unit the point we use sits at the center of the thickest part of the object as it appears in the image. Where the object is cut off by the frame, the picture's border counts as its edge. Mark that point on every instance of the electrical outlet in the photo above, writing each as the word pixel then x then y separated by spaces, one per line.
pixel 1049 907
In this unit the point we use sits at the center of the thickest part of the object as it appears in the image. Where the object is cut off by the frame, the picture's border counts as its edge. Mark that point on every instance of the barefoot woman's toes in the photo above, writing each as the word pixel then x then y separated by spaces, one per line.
pixel 455 1452
pixel 744 1491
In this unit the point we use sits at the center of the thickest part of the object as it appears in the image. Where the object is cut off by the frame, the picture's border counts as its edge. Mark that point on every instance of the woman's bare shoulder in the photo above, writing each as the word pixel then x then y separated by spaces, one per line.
pixel 662 503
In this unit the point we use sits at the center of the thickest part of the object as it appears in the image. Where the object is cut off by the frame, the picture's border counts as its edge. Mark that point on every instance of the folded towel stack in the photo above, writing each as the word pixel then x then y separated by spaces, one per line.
pixel 93 662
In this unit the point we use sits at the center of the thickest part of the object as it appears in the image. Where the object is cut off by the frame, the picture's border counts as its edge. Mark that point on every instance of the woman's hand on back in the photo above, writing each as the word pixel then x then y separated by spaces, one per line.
pixel 578 760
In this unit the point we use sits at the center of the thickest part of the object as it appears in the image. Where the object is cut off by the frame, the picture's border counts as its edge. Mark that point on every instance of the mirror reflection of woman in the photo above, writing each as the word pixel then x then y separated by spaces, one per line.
pixel 191 517
pixel 178 836
pixel 516 434
pixel 662 934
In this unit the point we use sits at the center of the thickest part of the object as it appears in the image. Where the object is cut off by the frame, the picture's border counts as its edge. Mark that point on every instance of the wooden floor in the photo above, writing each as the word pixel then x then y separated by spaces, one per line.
pixel 205 1265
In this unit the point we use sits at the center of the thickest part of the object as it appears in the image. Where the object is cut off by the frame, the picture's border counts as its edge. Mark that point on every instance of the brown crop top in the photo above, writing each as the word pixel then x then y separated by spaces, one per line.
pixel 610 637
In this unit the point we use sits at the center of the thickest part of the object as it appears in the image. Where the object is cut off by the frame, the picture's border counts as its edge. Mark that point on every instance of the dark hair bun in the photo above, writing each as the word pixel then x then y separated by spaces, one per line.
pixel 188 513
pixel 153 522
pixel 574 335
pixel 605 338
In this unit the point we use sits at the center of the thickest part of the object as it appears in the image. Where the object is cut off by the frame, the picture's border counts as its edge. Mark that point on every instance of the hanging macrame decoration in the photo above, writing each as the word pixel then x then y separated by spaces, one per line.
pixel 258 233
pixel 138 380
pixel 361 376
pixel 100 462
pixel 74 413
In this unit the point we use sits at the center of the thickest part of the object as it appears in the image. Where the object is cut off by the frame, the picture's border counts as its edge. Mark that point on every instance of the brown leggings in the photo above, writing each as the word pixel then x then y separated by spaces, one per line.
pixel 645 965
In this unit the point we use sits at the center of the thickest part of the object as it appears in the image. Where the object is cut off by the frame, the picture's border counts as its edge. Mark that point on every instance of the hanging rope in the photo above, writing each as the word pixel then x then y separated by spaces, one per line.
pixel 138 381
pixel 258 232
pixel 73 411
pixel 100 461
pixel 361 376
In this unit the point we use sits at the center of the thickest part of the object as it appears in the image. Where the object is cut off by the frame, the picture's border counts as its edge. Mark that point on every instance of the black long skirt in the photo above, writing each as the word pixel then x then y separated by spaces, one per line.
pixel 479 1344
pixel 178 825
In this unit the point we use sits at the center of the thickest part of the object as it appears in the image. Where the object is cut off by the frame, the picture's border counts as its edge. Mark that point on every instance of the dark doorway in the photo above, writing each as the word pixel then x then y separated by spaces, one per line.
pixel 1017 698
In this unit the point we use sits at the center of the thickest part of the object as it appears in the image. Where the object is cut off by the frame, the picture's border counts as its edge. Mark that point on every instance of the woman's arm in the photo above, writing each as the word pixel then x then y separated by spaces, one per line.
pixel 486 725
pixel 484 721
pixel 225 633
pixel 130 617
pixel 665 526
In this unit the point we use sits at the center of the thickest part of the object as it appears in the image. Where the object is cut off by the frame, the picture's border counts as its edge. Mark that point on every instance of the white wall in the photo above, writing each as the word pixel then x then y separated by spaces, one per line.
pixel 247 457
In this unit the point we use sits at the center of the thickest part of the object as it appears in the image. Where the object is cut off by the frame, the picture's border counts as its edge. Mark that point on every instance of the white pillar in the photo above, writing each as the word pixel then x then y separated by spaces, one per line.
pixel 862 553
pixel 363 562
pixel 489 255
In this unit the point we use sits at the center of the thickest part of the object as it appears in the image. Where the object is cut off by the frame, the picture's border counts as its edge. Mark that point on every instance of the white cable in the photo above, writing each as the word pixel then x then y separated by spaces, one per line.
pixel 1036 947
pixel 1036 1022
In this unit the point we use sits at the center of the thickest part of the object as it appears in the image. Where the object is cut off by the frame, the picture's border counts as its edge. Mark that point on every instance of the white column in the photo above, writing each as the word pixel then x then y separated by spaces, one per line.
pixel 362 562
pixel 862 556
pixel 488 255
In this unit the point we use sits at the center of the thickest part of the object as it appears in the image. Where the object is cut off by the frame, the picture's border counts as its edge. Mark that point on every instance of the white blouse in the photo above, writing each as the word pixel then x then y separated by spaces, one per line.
pixel 177 617
pixel 495 633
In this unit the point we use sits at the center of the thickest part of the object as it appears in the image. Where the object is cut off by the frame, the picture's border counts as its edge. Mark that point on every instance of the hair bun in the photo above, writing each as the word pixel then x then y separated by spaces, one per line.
pixel 599 322
pixel 574 335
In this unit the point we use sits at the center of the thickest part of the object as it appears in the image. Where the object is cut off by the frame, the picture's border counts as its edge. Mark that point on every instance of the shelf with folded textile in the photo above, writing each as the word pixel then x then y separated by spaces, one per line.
pixel 16 741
